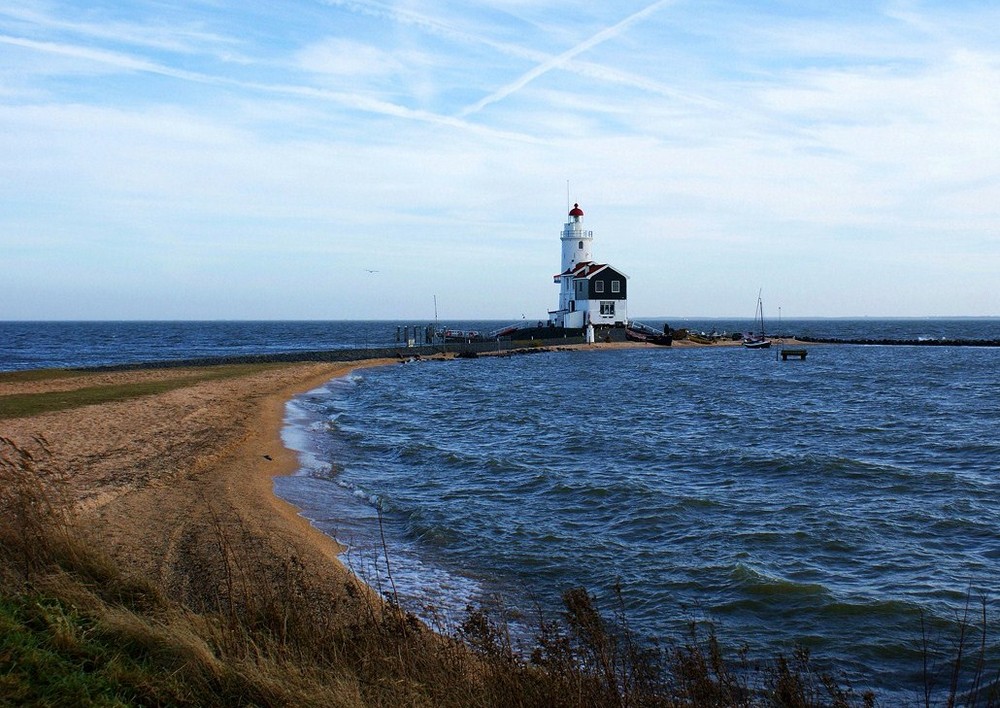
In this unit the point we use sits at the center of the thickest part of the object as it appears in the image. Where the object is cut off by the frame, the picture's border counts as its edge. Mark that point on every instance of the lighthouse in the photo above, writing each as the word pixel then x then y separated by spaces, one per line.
pixel 590 293
pixel 577 243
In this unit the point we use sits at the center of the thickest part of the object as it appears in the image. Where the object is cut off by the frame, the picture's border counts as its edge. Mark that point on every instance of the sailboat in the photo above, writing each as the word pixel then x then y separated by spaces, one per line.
pixel 755 338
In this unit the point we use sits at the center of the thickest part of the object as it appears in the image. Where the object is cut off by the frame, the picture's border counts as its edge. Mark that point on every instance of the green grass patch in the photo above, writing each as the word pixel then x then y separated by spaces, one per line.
pixel 21 405
pixel 38 375
pixel 49 655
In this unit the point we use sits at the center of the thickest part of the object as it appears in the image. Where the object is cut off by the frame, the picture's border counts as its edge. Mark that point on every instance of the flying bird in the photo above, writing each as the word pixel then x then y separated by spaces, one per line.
pixel 370 270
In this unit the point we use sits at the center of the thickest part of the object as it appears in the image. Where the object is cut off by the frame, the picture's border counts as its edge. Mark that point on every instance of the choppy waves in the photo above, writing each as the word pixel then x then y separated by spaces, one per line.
pixel 836 502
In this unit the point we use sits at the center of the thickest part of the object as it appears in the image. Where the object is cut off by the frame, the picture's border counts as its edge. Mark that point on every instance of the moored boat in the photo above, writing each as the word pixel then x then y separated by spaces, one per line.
pixel 755 338
pixel 756 343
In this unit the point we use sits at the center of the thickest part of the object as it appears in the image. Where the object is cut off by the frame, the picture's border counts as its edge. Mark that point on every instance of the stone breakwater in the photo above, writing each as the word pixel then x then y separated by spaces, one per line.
pixel 905 342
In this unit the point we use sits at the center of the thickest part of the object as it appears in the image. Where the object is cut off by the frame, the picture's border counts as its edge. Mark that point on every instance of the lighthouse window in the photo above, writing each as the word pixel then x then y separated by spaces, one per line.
pixel 616 286
pixel 581 245
pixel 599 286
pixel 608 308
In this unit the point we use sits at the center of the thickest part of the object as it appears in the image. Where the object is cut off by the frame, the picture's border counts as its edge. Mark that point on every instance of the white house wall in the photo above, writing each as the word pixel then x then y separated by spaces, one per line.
pixel 593 309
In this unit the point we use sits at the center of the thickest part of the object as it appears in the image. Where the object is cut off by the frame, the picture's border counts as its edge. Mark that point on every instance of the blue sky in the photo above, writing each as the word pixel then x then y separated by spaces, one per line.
pixel 217 159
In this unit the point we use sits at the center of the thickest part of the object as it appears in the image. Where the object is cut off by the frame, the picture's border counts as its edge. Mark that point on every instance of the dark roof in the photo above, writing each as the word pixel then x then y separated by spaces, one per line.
pixel 588 269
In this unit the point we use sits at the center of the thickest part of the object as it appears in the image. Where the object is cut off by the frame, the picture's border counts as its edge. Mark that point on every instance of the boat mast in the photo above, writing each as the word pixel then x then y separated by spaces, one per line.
pixel 760 312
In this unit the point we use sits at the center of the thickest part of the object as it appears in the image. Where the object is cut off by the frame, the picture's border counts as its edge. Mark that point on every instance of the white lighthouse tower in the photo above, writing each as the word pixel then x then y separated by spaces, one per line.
pixel 589 292
pixel 577 243
pixel 577 247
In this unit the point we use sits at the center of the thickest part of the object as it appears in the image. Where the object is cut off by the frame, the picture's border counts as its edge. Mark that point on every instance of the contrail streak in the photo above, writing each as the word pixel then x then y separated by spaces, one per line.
pixel 435 27
pixel 353 101
pixel 430 25
pixel 561 59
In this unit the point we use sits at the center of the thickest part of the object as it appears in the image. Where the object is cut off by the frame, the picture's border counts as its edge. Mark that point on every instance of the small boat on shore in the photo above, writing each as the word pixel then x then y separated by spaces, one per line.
pixel 755 338
pixel 638 332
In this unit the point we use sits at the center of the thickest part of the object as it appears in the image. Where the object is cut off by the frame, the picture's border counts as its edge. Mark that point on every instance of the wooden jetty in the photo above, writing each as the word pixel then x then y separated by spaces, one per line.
pixel 799 353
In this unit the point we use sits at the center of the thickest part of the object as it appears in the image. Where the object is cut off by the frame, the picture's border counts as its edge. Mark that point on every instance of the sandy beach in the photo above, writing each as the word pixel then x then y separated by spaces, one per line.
pixel 161 481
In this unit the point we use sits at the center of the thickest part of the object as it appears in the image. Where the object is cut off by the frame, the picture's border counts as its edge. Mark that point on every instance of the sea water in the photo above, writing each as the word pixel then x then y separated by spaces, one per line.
pixel 38 345
pixel 842 503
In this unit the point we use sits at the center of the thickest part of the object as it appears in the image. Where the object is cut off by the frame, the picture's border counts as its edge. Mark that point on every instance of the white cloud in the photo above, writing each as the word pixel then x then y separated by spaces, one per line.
pixel 345 57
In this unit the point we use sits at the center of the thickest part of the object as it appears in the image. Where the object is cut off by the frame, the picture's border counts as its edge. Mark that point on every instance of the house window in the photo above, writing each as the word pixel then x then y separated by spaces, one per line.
pixel 616 286
pixel 599 286
pixel 608 308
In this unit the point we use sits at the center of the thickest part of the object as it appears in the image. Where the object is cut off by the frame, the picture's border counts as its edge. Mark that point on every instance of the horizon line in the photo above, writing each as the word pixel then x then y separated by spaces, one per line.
pixel 487 319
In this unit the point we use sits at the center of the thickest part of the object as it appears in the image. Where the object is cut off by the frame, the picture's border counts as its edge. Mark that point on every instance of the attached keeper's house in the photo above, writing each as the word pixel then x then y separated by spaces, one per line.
pixel 589 292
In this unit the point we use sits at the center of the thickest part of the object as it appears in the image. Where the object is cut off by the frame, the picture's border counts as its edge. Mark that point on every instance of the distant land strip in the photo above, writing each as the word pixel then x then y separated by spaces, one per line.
pixel 906 342
pixel 269 358
pixel 331 355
